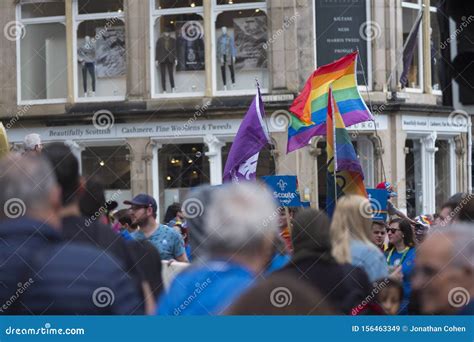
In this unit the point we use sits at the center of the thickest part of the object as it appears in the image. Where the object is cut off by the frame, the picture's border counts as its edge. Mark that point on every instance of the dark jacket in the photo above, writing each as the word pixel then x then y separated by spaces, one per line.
pixel 42 274
pixel 165 50
pixel 140 261
pixel 81 229
pixel 346 286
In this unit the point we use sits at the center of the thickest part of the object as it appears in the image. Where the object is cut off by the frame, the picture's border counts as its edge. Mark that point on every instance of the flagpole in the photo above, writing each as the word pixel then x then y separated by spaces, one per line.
pixel 370 104
pixel 334 144
pixel 272 147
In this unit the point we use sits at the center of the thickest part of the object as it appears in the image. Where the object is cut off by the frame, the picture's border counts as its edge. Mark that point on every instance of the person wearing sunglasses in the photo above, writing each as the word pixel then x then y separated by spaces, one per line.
pixel 401 252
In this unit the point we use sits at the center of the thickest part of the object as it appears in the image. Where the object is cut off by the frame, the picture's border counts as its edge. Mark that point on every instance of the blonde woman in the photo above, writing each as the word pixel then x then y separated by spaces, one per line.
pixel 350 235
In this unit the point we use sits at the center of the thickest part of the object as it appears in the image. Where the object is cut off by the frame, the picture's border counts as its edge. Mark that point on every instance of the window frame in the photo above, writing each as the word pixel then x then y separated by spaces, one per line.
pixel 433 9
pixel 216 11
pixel 421 66
pixel 155 14
pixel 23 23
pixel 77 20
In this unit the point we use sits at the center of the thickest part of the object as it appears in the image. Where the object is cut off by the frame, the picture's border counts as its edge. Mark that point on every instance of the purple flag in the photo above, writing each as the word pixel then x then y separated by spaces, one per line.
pixel 250 139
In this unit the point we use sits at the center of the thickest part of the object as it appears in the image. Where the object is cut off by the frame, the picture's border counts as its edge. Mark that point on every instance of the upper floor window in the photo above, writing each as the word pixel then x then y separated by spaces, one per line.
pixel 435 48
pixel 178 53
pixel 100 51
pixel 410 12
pixel 41 51
pixel 241 46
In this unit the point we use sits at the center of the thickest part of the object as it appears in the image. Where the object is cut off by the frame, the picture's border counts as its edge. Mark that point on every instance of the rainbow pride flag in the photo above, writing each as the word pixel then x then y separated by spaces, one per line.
pixel 341 157
pixel 309 109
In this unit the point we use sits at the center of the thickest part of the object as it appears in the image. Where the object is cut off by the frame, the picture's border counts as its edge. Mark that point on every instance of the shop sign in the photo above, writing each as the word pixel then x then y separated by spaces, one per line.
pixel 433 124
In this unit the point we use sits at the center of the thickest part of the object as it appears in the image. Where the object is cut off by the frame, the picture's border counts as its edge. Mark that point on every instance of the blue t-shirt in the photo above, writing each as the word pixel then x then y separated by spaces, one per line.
pixel 168 241
pixel 407 267
pixel 205 290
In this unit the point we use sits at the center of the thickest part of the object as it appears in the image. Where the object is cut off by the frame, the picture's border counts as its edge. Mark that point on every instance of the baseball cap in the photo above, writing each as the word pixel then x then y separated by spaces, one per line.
pixel 143 200
pixel 387 186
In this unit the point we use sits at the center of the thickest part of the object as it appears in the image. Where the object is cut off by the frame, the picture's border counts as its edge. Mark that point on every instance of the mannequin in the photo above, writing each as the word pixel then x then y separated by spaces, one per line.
pixel 86 56
pixel 226 54
pixel 165 58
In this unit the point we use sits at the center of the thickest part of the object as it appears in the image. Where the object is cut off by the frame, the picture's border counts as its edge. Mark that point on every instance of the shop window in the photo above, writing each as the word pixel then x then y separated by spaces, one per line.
pixel 414 181
pixel 240 53
pixel 163 4
pixel 110 164
pixel 102 6
pixel 43 62
pixel 415 73
pixel 442 172
pixel 180 168
pixel 51 8
pixel 265 163
pixel 101 58
pixel 179 60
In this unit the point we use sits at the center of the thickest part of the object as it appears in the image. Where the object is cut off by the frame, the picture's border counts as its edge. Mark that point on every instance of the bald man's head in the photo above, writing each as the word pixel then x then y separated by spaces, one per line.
pixel 443 275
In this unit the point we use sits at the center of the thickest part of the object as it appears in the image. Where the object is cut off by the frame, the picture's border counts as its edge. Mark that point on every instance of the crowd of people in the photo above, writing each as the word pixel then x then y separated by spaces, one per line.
pixel 79 255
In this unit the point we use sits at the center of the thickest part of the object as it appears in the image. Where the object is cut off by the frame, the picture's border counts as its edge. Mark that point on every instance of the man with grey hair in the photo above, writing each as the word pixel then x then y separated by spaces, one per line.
pixel 444 271
pixel 40 273
pixel 239 229
pixel 32 144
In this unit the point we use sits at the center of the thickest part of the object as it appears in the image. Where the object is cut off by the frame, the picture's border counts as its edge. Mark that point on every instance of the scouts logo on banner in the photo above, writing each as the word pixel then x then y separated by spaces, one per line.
pixel 285 190
pixel 378 202
pixel 251 138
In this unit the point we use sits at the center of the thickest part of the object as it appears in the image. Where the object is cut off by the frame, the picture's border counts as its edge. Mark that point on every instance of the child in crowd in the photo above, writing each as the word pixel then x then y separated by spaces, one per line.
pixel 389 296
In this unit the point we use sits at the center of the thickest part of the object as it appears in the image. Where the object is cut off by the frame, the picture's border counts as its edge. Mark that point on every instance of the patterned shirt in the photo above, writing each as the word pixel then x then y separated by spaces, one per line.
pixel 168 241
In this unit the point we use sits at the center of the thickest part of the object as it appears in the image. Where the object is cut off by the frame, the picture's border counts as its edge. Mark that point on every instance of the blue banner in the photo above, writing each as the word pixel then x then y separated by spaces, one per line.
pixel 378 199
pixel 238 329
pixel 284 190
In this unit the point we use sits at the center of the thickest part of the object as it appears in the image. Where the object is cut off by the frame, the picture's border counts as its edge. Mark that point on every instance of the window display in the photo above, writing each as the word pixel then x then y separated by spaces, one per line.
pixel 166 59
pixel 240 53
pixel 181 167
pixel 86 56
pixel 101 58
pixel 442 172
pixel 226 53
pixel 179 54
pixel 110 163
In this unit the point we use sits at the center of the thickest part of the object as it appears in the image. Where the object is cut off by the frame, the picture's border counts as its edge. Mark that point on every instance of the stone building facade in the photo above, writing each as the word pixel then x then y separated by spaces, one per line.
pixel 142 138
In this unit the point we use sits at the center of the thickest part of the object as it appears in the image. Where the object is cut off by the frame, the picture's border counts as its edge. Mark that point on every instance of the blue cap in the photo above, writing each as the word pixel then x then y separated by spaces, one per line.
pixel 143 200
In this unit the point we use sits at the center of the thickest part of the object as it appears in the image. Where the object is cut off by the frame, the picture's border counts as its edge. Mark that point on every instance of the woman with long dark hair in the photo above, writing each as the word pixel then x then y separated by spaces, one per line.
pixel 401 252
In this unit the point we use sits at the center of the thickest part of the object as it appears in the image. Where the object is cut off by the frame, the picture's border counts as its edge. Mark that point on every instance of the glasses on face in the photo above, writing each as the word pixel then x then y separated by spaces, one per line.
pixel 392 230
